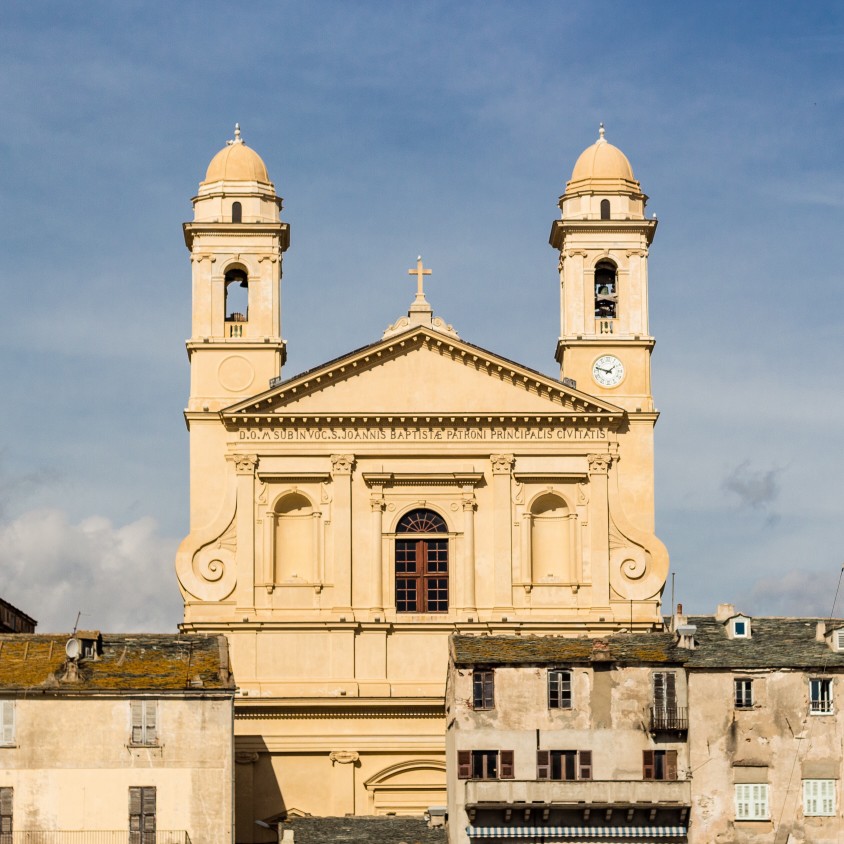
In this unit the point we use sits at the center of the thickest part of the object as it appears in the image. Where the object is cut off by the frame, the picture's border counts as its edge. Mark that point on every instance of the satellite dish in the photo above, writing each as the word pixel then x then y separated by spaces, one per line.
pixel 73 648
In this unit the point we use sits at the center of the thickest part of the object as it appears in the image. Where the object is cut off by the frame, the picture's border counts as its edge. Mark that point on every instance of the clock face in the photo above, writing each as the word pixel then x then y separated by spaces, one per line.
pixel 608 371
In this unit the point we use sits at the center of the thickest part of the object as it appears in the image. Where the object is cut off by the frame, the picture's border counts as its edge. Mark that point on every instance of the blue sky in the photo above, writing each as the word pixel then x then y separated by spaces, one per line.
pixel 392 129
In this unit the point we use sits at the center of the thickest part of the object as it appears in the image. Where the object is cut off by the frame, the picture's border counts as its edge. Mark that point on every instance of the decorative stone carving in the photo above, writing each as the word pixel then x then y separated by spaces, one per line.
pixel 377 505
pixel 342 464
pixel 502 464
pixel 245 464
pixel 469 503
pixel 214 566
pixel 343 757
pixel 599 464
pixel 243 757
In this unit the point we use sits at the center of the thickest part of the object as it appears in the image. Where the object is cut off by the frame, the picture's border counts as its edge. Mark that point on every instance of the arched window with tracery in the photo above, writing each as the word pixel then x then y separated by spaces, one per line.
pixel 422 562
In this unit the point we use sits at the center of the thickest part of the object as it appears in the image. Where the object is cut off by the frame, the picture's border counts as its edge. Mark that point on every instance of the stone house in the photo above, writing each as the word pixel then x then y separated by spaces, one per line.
pixel 718 729
pixel 115 739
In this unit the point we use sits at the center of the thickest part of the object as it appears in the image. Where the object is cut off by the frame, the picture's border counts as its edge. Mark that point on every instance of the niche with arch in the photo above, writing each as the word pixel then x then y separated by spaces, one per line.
pixel 606 290
pixel 605 209
pixel 236 300
pixel 295 541
pixel 551 533
pixel 237 212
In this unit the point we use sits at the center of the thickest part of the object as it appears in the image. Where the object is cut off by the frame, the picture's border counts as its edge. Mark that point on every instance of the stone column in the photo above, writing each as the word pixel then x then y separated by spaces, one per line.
pixel 341 471
pixel 469 602
pixel 245 465
pixel 599 532
pixel 502 466
pixel 377 505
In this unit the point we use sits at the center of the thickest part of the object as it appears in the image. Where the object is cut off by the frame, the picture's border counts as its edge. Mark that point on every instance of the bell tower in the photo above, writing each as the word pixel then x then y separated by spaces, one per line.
pixel 236 241
pixel 603 239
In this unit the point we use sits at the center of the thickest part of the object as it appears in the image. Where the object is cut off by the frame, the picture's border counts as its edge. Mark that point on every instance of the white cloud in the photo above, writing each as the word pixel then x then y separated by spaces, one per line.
pixel 797 592
pixel 120 577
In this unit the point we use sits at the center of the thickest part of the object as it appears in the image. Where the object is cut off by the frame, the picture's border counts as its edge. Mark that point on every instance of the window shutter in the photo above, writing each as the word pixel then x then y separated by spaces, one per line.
pixel 489 690
pixel 647 764
pixel 148 808
pixel 6 814
pixel 671 690
pixel 585 759
pixel 137 709
pixel 543 764
pixel 8 728
pixel 150 727
pixel 671 764
pixel 506 764
pixel 810 802
pixel 742 802
pixel 565 696
pixel 760 801
pixel 659 690
pixel 827 797
pixel 464 764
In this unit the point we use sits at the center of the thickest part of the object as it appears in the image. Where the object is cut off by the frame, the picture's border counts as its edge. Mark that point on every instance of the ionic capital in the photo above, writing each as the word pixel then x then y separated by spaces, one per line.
pixel 342 464
pixel 502 464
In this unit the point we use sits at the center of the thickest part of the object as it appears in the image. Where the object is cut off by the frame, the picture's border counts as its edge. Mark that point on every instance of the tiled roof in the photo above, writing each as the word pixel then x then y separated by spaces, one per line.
pixel 127 662
pixel 774 643
pixel 363 830
pixel 625 648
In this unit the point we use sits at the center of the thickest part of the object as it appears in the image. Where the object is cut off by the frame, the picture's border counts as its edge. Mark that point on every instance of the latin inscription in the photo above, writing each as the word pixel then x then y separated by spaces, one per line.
pixel 419 434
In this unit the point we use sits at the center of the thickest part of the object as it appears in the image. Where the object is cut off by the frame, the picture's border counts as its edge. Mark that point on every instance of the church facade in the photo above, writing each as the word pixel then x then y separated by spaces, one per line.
pixel 346 520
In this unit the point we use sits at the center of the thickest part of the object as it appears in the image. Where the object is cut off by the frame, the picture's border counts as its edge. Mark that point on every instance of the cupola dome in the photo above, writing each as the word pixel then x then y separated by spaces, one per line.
pixel 602 161
pixel 236 162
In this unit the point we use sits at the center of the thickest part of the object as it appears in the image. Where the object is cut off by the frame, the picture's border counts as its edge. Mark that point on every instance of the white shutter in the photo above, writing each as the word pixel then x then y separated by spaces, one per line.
pixel 137 712
pixel 818 797
pixel 752 801
pixel 760 801
pixel 7 735
pixel 742 802
pixel 828 797
pixel 150 728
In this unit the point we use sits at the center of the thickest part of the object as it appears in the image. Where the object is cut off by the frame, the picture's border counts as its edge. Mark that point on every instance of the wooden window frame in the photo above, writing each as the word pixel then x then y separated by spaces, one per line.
pixel 560 682
pixel 822 702
pixel 144 723
pixel 752 801
pixel 483 689
pixel 489 764
pixel 7 722
pixel 142 814
pixel 422 563
pixel 659 765
pixel 581 765
pixel 7 799
pixel 819 798
pixel 743 692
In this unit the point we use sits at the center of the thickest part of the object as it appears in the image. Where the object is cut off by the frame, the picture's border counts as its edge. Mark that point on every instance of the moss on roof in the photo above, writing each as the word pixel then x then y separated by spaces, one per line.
pixel 126 662
pixel 623 648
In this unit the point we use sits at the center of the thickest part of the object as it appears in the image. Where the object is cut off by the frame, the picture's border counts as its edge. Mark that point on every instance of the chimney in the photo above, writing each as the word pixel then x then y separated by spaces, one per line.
pixel 724 612
pixel 820 631
pixel 679 619
pixel 686 636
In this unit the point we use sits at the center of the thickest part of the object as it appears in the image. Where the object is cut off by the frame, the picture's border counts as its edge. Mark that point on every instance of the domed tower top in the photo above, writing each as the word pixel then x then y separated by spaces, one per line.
pixel 237 187
pixel 602 185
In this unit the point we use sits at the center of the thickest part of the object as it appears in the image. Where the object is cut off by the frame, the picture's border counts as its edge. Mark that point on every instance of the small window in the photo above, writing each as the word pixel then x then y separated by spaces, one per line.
pixel 559 689
pixel 142 815
pixel 6 795
pixel 483 689
pixel 752 802
pixel 838 639
pixel 485 764
pixel 659 764
pixel 818 798
pixel 743 693
pixel 605 209
pixel 144 722
pixel 564 765
pixel 7 722
pixel 237 212
pixel 820 696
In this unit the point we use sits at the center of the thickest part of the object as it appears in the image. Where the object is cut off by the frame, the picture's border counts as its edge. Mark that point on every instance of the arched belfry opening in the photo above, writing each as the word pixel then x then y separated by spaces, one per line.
pixel 237 301
pixel 421 562
pixel 606 293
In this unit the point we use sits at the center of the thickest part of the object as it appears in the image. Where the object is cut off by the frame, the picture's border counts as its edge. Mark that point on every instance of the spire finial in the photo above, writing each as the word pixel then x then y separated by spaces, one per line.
pixel 239 140
pixel 601 132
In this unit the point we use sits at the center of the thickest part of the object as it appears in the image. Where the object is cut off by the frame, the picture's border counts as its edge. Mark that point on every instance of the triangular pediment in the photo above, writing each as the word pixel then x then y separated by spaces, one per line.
pixel 422 373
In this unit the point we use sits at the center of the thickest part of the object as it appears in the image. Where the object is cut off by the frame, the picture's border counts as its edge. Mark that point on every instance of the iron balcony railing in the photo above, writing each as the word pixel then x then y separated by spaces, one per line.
pixel 675 718
pixel 95 836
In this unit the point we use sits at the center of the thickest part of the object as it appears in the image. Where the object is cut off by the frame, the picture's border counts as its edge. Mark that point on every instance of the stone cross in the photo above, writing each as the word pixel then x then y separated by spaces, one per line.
pixel 419 272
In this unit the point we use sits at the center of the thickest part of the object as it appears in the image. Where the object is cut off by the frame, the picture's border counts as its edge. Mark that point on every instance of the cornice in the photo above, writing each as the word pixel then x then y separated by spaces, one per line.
pixel 560 228
pixel 237 231
pixel 392 479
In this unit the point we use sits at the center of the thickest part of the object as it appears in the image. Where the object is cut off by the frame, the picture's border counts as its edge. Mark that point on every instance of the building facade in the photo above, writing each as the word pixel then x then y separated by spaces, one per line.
pixel 345 521
pixel 725 729
pixel 114 739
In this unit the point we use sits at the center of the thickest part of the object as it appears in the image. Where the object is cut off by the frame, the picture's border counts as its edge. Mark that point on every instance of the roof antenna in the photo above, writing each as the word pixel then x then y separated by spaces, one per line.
pixel 76 624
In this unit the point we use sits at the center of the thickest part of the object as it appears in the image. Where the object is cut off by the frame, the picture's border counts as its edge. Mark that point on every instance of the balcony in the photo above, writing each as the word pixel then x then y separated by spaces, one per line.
pixel 604 325
pixel 674 719
pixel 234 324
pixel 580 793
pixel 95 836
